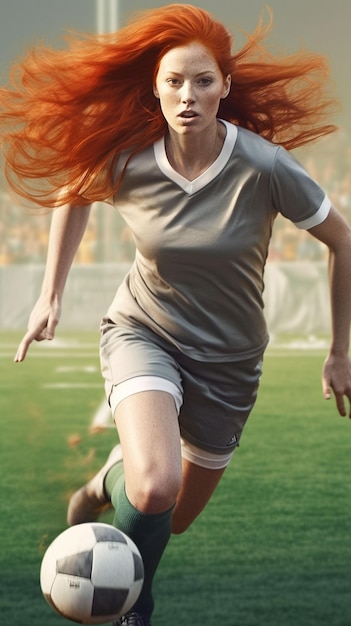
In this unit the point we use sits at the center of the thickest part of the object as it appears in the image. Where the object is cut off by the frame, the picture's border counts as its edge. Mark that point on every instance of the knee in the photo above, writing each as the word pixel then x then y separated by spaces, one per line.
pixel 151 495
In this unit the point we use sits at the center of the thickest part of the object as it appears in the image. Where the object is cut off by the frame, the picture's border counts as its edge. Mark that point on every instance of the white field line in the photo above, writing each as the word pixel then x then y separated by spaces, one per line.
pixel 52 355
pixel 64 385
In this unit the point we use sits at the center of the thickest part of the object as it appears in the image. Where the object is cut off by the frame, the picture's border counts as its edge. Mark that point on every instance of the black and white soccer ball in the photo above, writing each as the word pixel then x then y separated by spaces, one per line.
pixel 92 573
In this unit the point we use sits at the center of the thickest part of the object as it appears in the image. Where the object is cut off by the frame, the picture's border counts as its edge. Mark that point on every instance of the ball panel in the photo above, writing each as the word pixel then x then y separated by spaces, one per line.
pixel 134 593
pixel 107 602
pixel 73 597
pixel 76 564
pixel 48 571
pixel 105 532
pixel 138 567
pixel 80 538
pixel 48 599
pixel 113 565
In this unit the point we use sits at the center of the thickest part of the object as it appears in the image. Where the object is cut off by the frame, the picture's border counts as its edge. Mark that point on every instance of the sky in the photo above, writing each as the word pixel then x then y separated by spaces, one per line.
pixel 320 25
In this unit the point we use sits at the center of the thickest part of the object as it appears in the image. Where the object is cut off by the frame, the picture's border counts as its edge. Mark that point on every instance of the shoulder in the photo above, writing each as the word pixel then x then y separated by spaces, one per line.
pixel 268 156
pixel 256 150
pixel 132 160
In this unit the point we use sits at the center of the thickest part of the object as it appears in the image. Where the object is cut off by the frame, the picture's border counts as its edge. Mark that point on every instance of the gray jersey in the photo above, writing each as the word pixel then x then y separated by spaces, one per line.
pixel 197 279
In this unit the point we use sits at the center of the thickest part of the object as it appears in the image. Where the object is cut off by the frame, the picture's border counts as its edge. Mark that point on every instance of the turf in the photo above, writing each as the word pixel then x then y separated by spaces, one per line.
pixel 273 546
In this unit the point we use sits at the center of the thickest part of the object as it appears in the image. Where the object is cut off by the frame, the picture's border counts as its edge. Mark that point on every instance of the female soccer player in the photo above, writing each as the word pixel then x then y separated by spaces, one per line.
pixel 189 141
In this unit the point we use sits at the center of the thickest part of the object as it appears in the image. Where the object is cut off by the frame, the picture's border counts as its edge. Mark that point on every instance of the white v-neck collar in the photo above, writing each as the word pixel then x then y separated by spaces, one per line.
pixel 192 186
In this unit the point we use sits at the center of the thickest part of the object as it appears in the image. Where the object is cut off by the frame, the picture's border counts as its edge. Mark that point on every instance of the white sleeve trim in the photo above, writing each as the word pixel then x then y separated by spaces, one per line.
pixel 318 217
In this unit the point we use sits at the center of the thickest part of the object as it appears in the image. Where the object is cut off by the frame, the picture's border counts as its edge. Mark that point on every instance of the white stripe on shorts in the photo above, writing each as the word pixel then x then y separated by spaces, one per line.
pixel 203 458
pixel 144 383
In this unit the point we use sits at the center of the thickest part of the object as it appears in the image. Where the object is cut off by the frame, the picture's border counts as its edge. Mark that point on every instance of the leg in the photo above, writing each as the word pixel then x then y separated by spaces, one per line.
pixel 147 424
pixel 144 496
pixel 198 485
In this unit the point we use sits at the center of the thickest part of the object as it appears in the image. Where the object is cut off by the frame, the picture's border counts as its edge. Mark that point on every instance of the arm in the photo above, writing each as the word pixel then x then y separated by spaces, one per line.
pixel 336 234
pixel 67 229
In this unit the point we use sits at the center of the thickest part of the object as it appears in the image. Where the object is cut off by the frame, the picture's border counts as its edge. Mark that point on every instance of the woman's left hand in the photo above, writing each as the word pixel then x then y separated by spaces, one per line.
pixel 336 377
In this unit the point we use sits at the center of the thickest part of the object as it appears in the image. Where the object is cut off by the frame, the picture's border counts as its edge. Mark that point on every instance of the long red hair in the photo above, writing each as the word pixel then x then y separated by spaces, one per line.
pixel 68 114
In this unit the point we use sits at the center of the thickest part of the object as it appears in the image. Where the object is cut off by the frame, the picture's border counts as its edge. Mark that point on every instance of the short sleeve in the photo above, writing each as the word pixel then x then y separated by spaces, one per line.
pixel 295 194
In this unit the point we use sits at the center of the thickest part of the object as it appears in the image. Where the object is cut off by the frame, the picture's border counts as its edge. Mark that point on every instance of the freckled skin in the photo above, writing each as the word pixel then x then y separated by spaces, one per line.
pixel 189 79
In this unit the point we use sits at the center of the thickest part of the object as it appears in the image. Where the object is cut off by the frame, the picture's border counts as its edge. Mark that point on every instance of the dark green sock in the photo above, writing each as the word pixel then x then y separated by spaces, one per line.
pixel 112 476
pixel 149 532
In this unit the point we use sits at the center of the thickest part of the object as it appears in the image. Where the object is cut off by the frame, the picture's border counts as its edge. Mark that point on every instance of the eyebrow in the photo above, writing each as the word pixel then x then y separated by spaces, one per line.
pixel 199 74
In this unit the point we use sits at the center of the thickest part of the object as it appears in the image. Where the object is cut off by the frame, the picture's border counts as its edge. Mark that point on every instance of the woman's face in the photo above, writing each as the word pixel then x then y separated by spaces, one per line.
pixel 190 85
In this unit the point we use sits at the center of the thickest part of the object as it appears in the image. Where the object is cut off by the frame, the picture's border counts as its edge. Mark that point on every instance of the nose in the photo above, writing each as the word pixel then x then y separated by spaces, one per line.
pixel 187 93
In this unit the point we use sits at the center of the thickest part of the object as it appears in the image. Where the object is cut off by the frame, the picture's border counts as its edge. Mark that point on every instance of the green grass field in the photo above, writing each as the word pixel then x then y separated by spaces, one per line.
pixel 273 547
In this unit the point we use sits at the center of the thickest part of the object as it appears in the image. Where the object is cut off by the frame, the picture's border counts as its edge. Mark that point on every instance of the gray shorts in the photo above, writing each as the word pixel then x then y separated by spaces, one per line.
pixel 217 398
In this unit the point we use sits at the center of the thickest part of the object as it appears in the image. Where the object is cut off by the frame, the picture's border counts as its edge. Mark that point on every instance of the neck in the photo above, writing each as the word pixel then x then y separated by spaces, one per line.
pixel 191 156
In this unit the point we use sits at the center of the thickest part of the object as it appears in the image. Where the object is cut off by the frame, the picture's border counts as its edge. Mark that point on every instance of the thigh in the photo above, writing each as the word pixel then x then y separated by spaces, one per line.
pixel 147 424
pixel 198 485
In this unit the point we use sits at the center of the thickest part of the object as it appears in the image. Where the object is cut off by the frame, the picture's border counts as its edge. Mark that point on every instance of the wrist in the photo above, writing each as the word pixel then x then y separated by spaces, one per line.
pixel 53 296
pixel 339 351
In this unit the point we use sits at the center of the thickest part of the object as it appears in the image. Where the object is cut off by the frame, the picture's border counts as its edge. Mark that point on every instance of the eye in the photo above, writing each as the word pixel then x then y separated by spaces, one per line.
pixel 173 81
pixel 205 81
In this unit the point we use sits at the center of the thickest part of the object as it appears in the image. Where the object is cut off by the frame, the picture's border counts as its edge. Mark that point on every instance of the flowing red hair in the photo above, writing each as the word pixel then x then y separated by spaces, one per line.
pixel 68 114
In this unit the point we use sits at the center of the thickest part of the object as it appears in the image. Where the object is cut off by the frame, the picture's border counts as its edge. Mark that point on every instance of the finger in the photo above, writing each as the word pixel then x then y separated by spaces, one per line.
pixel 326 389
pixel 23 347
pixel 348 395
pixel 327 393
pixel 339 398
pixel 28 338
pixel 51 327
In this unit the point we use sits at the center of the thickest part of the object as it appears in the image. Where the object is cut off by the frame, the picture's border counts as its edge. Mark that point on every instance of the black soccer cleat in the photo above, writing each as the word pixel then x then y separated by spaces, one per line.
pixel 132 619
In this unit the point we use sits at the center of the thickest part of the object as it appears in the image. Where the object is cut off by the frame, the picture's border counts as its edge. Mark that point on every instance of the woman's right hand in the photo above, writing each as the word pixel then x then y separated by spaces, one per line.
pixel 67 228
pixel 42 324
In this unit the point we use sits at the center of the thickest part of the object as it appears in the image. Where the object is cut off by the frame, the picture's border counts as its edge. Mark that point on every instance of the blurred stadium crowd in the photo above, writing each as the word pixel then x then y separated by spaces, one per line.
pixel 24 233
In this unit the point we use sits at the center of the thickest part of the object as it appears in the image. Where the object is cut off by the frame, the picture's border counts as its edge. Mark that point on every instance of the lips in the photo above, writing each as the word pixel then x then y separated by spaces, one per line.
pixel 188 114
